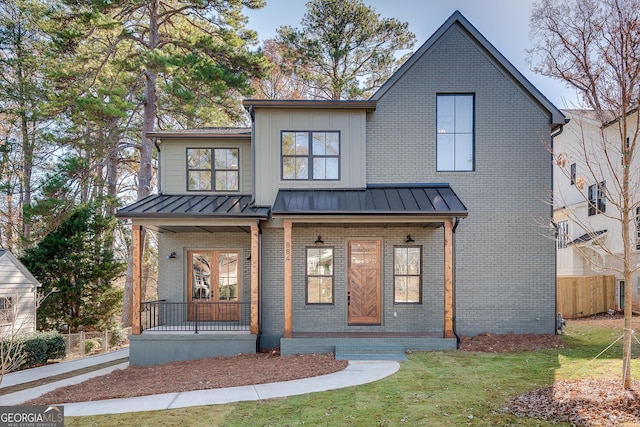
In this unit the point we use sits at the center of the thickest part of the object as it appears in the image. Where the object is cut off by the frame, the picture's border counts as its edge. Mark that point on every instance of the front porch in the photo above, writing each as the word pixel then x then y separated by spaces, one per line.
pixel 364 345
pixel 174 331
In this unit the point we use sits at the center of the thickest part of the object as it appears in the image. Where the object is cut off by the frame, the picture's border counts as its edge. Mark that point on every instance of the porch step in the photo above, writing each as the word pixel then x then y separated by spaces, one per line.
pixel 370 352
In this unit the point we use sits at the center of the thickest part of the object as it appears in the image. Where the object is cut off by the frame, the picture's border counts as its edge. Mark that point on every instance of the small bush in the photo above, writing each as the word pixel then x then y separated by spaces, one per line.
pixel 56 345
pixel 40 347
pixel 117 337
pixel 35 349
pixel 91 345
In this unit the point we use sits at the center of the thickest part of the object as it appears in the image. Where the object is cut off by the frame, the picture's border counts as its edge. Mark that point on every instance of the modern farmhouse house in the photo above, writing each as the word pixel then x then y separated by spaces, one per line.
pixel 399 222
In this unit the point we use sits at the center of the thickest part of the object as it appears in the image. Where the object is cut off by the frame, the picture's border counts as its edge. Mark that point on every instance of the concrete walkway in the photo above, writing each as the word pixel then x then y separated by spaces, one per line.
pixel 356 373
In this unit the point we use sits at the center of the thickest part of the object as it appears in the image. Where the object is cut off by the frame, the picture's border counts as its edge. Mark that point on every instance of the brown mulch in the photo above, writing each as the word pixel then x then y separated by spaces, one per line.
pixel 510 343
pixel 192 375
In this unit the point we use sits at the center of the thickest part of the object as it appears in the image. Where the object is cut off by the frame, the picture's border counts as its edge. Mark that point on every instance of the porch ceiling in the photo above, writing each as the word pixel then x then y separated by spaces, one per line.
pixel 433 203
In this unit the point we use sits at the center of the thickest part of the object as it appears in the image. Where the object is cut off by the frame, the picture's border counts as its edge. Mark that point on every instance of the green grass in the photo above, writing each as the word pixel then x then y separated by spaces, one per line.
pixel 431 389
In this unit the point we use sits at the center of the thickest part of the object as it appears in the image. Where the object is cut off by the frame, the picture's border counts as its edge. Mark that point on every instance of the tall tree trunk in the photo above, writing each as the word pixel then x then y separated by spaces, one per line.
pixel 145 172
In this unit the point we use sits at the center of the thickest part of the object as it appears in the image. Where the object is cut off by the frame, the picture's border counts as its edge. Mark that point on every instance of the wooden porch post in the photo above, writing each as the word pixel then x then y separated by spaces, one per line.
pixel 136 268
pixel 255 279
pixel 288 293
pixel 448 280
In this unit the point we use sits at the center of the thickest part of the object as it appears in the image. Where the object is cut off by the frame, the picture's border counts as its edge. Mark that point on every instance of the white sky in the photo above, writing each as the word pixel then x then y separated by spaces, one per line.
pixel 505 23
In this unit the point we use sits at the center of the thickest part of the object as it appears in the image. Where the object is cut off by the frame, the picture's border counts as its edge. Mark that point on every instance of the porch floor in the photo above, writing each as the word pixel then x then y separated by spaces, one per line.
pixel 366 335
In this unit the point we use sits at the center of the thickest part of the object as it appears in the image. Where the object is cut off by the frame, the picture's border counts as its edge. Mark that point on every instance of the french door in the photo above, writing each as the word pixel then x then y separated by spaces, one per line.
pixel 214 278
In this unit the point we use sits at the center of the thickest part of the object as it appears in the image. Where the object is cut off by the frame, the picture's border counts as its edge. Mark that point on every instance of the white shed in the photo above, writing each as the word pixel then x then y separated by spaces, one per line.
pixel 18 295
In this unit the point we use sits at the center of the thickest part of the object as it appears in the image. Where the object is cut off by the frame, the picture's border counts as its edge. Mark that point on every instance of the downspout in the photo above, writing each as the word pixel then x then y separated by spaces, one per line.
pixel 252 114
pixel 258 348
pixel 555 258
pixel 155 142
pixel 456 221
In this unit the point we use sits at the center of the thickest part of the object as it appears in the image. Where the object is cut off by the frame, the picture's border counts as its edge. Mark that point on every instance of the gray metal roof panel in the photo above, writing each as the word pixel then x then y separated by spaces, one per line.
pixel 185 206
pixel 435 200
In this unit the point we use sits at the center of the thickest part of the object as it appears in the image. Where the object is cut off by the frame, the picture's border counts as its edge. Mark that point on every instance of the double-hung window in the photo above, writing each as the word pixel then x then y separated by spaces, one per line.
pixel 311 156
pixel 6 310
pixel 455 132
pixel 407 274
pixel 597 200
pixel 319 275
pixel 563 234
pixel 213 169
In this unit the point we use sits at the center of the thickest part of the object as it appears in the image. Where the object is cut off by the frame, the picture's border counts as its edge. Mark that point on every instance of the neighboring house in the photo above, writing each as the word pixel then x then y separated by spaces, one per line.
pixel 404 220
pixel 589 239
pixel 18 296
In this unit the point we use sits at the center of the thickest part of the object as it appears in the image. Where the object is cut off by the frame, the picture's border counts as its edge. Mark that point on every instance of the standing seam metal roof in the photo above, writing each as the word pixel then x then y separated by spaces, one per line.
pixel 429 200
pixel 184 206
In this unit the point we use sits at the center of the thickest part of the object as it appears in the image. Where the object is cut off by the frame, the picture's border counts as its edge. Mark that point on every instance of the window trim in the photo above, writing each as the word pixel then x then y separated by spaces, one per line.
pixel 213 169
pixel 310 156
pixel 7 306
pixel 597 202
pixel 419 275
pixel 473 131
pixel 562 241
pixel 307 276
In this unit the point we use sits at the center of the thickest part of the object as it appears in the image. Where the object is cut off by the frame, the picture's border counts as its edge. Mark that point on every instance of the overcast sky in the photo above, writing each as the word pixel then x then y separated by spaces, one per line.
pixel 505 23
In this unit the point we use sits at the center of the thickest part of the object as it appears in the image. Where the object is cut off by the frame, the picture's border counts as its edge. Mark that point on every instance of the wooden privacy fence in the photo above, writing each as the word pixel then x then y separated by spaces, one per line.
pixel 579 296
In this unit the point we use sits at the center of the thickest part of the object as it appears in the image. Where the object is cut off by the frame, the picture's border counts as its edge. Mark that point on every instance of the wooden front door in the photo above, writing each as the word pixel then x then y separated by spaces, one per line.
pixel 364 280
pixel 214 285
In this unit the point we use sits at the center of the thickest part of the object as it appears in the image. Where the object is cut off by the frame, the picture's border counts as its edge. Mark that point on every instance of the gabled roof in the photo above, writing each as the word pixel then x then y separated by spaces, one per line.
pixel 425 200
pixel 13 272
pixel 190 206
pixel 457 19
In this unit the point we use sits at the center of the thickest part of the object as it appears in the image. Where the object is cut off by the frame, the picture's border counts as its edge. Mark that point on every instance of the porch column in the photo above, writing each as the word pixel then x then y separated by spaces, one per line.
pixel 255 279
pixel 448 280
pixel 288 307
pixel 136 269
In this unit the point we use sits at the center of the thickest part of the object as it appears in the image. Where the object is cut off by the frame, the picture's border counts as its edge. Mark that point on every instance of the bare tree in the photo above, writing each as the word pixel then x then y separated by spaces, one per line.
pixel 594 46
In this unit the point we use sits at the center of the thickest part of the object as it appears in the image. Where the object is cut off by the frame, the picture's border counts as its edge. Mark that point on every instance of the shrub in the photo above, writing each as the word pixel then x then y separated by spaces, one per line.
pixel 40 347
pixel 117 337
pixel 91 345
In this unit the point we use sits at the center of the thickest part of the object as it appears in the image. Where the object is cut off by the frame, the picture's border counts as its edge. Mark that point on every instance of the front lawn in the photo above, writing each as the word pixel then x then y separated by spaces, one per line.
pixel 451 388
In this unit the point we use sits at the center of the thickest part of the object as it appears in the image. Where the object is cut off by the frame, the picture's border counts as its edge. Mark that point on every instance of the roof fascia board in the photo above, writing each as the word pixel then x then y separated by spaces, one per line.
pixel 190 221
pixel 371 219
pixel 556 116
pixel 367 105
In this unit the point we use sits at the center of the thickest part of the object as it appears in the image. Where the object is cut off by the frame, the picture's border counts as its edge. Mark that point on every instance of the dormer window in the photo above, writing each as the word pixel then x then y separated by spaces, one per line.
pixel 310 156
pixel 212 169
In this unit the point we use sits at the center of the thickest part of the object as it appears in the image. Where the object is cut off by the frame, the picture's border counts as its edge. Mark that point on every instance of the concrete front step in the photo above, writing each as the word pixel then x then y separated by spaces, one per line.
pixel 370 352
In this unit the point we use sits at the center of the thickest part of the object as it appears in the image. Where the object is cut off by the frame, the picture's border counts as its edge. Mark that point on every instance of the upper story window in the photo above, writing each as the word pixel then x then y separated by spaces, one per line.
pixel 563 234
pixel 573 173
pixel 454 139
pixel 313 156
pixel 597 200
pixel 407 274
pixel 212 169
pixel 638 229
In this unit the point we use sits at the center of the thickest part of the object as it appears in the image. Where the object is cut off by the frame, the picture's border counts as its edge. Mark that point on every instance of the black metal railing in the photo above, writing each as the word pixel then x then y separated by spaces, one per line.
pixel 163 316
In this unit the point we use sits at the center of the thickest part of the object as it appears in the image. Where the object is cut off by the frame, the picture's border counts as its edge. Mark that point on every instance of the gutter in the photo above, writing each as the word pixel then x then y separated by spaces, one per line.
pixel 559 128
pixel 456 222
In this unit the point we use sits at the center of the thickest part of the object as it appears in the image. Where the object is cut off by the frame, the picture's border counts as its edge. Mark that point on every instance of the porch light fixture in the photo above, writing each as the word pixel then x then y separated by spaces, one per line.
pixel 409 239
pixel 172 255
pixel 319 240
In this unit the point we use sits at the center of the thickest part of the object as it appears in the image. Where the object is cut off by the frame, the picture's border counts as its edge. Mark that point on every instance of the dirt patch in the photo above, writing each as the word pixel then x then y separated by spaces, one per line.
pixel 510 343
